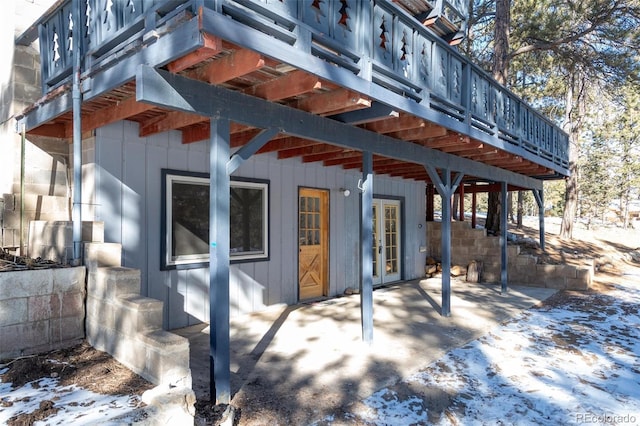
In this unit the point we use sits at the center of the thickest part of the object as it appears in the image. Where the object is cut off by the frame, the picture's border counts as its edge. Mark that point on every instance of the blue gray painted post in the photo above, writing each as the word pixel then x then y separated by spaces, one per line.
pixel 446 244
pixel 366 247
pixel 503 236
pixel 77 139
pixel 445 187
pixel 538 194
pixel 219 196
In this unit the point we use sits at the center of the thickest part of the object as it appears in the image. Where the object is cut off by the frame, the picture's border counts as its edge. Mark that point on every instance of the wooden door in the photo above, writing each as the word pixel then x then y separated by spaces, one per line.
pixel 313 239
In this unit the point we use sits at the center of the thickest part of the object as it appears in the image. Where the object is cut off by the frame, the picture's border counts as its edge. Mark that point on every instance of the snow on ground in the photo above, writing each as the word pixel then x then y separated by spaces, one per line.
pixel 77 406
pixel 576 363
pixel 573 364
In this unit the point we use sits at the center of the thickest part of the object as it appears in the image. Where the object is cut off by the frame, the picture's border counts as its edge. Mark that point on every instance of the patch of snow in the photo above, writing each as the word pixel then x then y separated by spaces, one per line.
pixel 388 409
pixel 76 406
pixel 554 365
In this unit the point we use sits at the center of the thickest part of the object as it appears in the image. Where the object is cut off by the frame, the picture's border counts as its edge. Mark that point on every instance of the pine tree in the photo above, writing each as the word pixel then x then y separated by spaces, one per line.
pixel 558 50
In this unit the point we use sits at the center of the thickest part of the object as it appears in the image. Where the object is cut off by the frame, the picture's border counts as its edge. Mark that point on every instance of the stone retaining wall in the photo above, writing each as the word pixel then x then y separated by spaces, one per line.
pixel 41 310
pixel 469 244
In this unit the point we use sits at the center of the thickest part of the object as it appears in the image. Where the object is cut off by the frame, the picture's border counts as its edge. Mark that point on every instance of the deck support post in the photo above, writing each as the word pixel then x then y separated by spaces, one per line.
pixel 504 210
pixel 219 196
pixel 538 194
pixel 77 139
pixel 366 247
pixel 445 187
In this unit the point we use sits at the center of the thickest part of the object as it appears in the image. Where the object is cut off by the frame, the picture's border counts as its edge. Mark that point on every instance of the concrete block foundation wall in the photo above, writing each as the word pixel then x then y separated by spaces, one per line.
pixel 54 240
pixel 129 326
pixel 469 244
pixel 41 310
pixel 45 198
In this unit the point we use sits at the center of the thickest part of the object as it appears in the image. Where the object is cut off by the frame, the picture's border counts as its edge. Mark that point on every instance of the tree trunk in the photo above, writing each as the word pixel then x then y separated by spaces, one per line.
pixel 520 210
pixel 492 225
pixel 573 126
pixel 455 207
pixel 500 72
pixel 512 218
pixel 624 207
pixel 501 41
pixel 570 202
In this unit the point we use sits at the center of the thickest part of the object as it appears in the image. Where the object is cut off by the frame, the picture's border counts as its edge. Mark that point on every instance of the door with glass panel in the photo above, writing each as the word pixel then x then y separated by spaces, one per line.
pixel 313 238
pixel 386 241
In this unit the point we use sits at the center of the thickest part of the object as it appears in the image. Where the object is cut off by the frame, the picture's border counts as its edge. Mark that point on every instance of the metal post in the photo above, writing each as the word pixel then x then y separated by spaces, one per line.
pixel 77 133
pixel 503 237
pixel 22 165
pixel 219 196
pixel 366 247
pixel 446 243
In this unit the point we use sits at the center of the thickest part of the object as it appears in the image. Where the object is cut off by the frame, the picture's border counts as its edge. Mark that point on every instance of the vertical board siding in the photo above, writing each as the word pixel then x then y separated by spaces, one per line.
pixel 134 199
pixel 109 191
pixel 158 283
pixel 128 196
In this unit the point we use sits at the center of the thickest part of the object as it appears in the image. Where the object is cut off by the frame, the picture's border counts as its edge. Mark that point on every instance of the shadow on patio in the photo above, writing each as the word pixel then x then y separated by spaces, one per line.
pixel 302 363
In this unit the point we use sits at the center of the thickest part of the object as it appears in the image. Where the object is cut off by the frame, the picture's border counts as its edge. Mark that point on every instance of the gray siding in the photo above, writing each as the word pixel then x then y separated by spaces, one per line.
pixel 128 200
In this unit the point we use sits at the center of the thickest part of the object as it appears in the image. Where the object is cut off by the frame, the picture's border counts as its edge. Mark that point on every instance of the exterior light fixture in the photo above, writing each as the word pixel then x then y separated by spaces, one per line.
pixel 345 192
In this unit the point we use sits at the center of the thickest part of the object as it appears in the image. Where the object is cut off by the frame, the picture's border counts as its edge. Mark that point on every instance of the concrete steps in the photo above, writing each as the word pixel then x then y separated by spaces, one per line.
pixel 127 325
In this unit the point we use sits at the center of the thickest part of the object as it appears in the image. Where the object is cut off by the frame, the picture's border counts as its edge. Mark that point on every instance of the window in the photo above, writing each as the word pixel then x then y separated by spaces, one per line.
pixel 186 220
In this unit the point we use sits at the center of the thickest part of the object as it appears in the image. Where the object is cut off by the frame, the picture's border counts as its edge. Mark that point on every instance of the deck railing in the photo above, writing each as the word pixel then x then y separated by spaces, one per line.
pixel 107 26
pixel 374 39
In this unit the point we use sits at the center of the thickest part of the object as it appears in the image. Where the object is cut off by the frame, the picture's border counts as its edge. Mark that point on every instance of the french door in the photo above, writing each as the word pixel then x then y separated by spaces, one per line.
pixel 387 263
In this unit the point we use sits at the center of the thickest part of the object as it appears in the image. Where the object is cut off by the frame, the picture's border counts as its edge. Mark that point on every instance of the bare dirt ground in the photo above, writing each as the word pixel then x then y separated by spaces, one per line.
pixel 611 249
pixel 81 365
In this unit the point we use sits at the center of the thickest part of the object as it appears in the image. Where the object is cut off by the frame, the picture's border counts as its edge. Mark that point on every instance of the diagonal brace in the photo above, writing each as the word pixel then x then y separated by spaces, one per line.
pixel 445 190
pixel 246 151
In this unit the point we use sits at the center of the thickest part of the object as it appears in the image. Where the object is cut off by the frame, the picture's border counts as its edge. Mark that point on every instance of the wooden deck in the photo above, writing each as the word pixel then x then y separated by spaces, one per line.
pixel 365 63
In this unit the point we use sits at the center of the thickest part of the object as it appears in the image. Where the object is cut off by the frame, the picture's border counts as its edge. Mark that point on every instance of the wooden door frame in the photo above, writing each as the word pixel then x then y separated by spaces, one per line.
pixel 326 235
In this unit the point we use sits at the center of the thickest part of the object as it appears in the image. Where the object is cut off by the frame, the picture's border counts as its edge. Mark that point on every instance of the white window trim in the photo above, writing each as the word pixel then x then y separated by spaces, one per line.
pixel 264 186
pixel 202 260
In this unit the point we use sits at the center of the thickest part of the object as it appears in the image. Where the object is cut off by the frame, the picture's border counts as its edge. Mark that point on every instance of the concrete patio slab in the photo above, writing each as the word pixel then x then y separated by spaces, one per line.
pixel 306 361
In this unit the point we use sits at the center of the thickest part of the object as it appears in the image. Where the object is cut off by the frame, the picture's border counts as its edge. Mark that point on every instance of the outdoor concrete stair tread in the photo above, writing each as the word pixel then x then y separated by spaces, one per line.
pixel 164 340
pixel 138 302
pixel 98 255
pixel 115 281
pixel 118 269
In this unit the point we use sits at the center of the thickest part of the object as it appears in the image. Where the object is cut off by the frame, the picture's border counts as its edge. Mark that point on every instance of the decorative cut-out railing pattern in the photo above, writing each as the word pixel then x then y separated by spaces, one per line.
pixel 107 26
pixel 373 39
